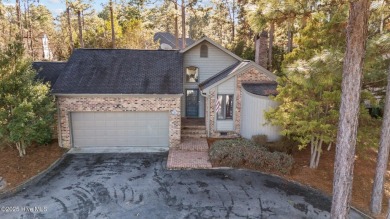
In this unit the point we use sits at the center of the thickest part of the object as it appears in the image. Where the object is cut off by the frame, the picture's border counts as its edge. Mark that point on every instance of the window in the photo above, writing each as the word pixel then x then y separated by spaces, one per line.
pixel 192 74
pixel 224 106
pixel 204 51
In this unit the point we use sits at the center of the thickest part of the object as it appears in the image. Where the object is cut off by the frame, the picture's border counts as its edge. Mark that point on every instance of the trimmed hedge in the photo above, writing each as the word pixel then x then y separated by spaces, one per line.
pixel 245 153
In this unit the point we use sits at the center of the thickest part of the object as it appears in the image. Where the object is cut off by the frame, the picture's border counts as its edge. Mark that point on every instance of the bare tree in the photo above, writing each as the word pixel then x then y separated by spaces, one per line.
pixel 112 25
pixel 69 25
pixel 383 156
pixel 18 18
pixel 183 23
pixel 176 27
pixel 349 109
pixel 80 28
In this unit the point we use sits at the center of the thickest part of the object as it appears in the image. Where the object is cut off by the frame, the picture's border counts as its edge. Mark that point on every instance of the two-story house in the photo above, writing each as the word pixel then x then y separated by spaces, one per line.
pixel 122 97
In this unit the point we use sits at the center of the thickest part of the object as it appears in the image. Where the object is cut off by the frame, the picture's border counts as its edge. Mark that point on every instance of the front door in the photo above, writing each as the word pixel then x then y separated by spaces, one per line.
pixel 192 103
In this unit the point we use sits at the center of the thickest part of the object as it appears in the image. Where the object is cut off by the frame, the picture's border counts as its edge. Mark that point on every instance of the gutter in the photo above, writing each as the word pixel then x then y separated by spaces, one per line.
pixel 117 95
pixel 59 132
pixel 208 114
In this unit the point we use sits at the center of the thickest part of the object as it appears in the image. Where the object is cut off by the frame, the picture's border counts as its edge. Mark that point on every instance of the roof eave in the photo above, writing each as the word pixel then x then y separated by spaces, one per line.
pixel 240 70
pixel 213 43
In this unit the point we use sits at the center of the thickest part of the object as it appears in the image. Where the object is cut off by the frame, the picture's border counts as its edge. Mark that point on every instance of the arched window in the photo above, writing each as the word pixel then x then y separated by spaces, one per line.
pixel 204 51
pixel 192 74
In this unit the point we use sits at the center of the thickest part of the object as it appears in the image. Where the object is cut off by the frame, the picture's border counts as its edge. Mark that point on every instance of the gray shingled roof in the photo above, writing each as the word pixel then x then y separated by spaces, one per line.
pixel 221 75
pixel 169 39
pixel 121 71
pixel 262 89
pixel 48 71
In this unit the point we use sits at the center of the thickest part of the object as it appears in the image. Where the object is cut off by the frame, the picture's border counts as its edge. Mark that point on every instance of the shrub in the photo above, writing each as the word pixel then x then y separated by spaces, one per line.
pixel 245 153
pixel 260 139
pixel 284 145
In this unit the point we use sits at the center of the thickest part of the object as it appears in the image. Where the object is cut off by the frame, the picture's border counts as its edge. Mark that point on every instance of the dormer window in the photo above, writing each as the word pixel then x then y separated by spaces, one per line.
pixel 204 51
pixel 192 74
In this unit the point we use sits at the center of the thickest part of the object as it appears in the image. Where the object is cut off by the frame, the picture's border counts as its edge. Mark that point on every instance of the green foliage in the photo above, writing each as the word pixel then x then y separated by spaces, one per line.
pixel 310 86
pixel 244 51
pixel 284 145
pixel 244 153
pixel 26 109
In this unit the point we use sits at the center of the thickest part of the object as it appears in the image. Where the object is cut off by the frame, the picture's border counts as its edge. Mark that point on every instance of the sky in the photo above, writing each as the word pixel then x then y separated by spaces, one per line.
pixel 58 6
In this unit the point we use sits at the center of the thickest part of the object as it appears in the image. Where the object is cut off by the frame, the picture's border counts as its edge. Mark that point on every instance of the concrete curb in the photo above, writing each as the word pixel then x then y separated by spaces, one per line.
pixel 9 192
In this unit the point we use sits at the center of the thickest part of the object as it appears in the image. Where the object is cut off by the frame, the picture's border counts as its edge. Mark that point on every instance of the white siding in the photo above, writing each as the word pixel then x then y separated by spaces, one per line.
pixel 252 116
pixel 227 87
pixel 225 125
pixel 216 61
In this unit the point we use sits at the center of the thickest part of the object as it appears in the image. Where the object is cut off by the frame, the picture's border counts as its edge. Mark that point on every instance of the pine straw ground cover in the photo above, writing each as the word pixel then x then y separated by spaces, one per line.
pixel 16 170
pixel 322 178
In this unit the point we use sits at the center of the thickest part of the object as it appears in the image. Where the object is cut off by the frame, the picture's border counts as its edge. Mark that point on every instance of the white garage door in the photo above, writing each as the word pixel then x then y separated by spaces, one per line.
pixel 104 129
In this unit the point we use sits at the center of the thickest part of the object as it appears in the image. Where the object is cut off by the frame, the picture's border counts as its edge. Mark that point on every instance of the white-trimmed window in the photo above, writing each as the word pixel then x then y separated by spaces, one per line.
pixel 204 51
pixel 192 74
pixel 224 106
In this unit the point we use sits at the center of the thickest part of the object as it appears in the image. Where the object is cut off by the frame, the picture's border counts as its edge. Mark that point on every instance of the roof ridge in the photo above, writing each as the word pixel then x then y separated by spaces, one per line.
pixel 122 49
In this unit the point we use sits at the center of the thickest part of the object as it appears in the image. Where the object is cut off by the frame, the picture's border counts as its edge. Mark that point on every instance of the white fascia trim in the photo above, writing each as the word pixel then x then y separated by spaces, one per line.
pixel 241 70
pixel 120 95
pixel 214 44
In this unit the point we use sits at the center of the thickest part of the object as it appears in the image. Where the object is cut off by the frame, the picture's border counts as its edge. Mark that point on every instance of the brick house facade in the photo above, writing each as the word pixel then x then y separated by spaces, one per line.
pixel 253 76
pixel 66 105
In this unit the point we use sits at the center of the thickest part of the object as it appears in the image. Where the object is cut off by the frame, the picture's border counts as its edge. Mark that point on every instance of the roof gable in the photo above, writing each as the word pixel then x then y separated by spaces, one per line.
pixel 206 39
pixel 233 70
pixel 169 39
pixel 121 71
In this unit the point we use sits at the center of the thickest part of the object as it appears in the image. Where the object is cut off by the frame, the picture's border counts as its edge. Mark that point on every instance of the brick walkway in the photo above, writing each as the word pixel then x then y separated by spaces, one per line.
pixel 192 153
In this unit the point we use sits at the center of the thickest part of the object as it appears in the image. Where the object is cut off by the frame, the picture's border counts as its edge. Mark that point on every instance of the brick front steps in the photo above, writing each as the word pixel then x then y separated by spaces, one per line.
pixel 192 153
pixel 190 131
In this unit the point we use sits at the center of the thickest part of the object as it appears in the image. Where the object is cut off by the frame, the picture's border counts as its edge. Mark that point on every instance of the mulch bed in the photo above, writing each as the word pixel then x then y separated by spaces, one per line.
pixel 16 170
pixel 322 177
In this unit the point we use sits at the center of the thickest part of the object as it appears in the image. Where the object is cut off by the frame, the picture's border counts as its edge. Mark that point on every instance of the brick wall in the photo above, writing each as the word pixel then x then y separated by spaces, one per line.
pixel 67 105
pixel 250 76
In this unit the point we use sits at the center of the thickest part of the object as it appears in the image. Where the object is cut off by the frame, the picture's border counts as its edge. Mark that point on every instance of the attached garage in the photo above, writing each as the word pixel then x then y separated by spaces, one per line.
pixel 120 129
pixel 112 98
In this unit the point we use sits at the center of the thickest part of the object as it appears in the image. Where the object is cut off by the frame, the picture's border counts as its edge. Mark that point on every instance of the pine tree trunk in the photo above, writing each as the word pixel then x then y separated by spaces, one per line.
pixel 112 25
pixel 69 26
pixel 383 156
pixel 270 44
pixel 18 18
pixel 289 38
pixel 183 23
pixel 233 20
pixel 349 109
pixel 176 28
pixel 80 29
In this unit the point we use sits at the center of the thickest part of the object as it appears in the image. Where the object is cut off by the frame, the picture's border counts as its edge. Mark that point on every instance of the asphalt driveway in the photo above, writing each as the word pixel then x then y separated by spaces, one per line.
pixel 139 186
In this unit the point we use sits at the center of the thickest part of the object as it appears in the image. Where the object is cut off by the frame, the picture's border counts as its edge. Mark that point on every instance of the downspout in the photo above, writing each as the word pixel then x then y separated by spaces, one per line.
pixel 208 114
pixel 59 133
